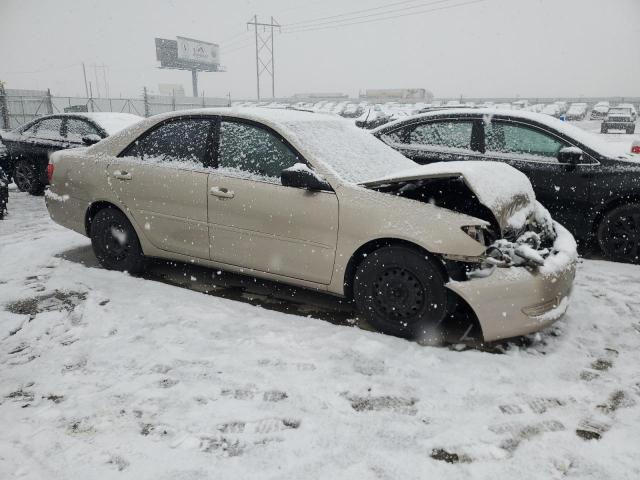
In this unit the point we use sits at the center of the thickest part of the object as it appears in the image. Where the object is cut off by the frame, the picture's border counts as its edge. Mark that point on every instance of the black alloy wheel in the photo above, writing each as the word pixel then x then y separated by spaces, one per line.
pixel 619 234
pixel 26 178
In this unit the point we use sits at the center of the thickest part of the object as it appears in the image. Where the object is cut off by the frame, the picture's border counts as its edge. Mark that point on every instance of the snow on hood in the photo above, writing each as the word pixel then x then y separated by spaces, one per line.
pixel 506 191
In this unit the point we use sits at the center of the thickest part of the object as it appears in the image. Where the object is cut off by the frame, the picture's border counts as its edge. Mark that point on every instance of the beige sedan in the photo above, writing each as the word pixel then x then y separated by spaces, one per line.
pixel 310 200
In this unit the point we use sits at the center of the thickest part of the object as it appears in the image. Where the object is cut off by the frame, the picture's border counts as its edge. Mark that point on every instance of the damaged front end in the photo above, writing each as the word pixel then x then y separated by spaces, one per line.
pixel 521 233
pixel 522 281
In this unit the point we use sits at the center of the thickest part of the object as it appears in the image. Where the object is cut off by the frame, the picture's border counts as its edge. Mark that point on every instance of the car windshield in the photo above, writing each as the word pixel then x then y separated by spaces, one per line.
pixel 353 154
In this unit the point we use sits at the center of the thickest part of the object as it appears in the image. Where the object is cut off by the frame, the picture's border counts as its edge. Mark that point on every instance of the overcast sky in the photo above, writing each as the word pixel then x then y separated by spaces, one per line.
pixel 488 48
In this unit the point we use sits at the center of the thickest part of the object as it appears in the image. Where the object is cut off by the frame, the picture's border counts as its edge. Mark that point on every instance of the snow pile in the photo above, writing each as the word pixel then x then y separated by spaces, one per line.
pixel 49 195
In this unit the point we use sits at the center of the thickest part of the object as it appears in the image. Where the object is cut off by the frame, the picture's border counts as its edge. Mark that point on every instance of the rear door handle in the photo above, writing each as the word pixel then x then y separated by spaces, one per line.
pixel 122 175
pixel 221 192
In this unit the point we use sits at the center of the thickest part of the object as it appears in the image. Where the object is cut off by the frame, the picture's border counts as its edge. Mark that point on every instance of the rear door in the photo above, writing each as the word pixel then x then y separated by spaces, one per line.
pixel 48 137
pixel 562 188
pixel 437 140
pixel 255 221
pixel 162 181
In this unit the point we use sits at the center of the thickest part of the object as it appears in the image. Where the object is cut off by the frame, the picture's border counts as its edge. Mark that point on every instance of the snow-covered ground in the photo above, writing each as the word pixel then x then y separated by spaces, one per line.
pixel 104 376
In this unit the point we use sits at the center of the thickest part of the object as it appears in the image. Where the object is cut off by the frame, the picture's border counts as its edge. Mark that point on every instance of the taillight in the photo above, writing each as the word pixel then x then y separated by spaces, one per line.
pixel 50 168
pixel 635 148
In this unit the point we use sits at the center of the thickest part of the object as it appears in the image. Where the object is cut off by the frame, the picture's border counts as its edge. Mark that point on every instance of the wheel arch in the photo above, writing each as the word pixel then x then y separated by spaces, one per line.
pixel 611 205
pixel 371 246
pixel 93 210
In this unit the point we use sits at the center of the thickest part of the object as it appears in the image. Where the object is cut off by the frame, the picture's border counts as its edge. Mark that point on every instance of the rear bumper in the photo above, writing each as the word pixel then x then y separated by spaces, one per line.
pixel 66 211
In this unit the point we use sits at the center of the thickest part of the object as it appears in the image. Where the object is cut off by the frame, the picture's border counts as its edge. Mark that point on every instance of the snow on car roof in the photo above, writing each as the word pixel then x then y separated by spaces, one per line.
pixel 347 151
pixel 588 139
pixel 111 122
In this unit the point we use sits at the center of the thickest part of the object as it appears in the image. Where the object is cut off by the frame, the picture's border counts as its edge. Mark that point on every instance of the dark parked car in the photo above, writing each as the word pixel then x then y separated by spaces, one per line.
pixel 30 145
pixel 4 193
pixel 586 185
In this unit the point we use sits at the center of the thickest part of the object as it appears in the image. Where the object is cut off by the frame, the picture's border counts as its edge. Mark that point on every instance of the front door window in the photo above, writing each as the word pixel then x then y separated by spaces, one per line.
pixel 521 141
pixel 252 152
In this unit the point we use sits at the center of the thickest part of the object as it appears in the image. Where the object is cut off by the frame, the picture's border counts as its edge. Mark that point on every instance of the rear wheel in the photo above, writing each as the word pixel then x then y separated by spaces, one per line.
pixel 115 242
pixel 27 178
pixel 400 291
pixel 619 234
pixel 603 129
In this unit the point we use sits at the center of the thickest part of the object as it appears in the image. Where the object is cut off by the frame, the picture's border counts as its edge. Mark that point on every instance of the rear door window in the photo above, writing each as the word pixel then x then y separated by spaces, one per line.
pixel 455 135
pixel 50 129
pixel 184 141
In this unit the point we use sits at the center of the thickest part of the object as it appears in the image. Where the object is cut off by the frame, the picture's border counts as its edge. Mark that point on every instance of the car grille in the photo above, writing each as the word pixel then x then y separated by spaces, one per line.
pixel 618 119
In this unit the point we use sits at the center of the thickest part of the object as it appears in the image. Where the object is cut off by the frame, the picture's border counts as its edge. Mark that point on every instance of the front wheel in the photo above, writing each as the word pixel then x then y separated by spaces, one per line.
pixel 400 291
pixel 619 234
pixel 603 129
pixel 27 178
pixel 115 242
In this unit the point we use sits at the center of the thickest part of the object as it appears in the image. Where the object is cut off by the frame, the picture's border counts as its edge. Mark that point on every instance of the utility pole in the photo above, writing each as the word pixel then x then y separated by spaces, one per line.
pixel 95 75
pixel 194 82
pixel 104 77
pixel 264 51
pixel 86 88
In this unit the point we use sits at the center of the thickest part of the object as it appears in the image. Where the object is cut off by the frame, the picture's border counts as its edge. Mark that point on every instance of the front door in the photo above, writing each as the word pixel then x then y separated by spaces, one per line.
pixel 162 181
pixel 562 188
pixel 257 223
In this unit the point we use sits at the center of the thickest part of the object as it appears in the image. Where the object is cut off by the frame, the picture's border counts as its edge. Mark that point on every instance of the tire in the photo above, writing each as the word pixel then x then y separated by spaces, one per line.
pixel 400 291
pixel 603 129
pixel 619 234
pixel 27 178
pixel 115 242
pixel 631 130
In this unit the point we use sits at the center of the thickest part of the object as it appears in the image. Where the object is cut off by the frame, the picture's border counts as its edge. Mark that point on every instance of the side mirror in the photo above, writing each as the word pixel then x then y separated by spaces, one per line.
pixel 570 155
pixel 91 139
pixel 301 176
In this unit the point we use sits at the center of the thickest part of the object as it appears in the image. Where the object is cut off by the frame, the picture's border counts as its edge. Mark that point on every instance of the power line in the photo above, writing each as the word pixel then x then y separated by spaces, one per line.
pixel 420 12
pixel 355 12
pixel 238 39
pixel 237 48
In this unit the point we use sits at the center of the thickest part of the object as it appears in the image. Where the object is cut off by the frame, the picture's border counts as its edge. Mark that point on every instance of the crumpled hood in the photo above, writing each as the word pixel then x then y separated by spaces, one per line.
pixel 501 188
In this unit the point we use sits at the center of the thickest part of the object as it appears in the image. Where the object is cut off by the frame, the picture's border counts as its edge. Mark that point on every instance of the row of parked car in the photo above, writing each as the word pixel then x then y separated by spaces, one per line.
pixel 445 195
pixel 371 115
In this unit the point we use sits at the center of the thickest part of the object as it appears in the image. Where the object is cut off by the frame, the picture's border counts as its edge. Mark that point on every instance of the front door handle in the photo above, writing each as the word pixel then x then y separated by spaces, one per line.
pixel 122 175
pixel 221 192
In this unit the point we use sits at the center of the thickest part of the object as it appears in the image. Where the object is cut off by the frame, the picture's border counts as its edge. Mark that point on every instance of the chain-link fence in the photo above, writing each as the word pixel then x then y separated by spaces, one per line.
pixel 18 107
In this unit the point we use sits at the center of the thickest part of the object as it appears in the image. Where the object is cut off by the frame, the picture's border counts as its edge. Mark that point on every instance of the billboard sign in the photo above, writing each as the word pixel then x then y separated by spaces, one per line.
pixel 187 54
pixel 190 50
